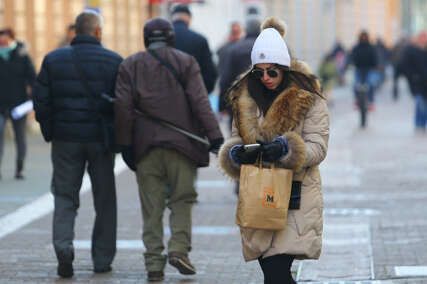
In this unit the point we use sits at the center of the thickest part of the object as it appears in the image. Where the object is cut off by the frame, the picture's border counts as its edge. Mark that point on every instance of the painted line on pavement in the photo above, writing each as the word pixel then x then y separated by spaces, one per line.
pixel 348 282
pixel 371 252
pixel 137 244
pixel 410 271
pixel 214 184
pixel 121 244
pixel 43 206
pixel 351 211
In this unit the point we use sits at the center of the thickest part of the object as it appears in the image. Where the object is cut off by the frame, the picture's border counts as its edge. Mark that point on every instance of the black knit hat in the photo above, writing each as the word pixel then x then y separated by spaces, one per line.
pixel 181 9
pixel 158 30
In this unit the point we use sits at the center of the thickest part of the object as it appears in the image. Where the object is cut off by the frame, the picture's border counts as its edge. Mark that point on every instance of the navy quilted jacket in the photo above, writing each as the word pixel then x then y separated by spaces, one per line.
pixel 61 101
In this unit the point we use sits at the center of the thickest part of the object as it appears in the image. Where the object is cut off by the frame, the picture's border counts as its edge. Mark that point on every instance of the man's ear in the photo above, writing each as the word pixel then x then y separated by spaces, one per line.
pixel 98 33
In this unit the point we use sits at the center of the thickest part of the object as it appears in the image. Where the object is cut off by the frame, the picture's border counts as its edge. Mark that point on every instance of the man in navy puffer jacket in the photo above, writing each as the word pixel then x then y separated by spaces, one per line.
pixel 74 122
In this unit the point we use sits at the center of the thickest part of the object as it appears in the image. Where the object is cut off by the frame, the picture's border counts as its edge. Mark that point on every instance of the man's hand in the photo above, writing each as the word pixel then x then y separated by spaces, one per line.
pixel 215 145
pixel 128 157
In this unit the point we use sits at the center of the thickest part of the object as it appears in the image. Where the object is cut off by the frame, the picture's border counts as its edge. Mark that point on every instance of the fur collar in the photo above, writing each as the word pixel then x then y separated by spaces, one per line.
pixel 286 112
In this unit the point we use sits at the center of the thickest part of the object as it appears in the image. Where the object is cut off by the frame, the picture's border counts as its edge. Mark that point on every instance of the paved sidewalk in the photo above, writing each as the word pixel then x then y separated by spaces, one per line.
pixel 37 170
pixel 375 191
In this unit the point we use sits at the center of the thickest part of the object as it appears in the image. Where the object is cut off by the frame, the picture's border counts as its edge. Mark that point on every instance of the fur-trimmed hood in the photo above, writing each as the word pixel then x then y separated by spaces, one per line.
pixel 284 115
pixel 287 110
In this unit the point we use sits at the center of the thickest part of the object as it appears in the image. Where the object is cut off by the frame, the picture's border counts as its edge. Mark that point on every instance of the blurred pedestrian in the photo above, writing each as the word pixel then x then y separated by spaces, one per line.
pixel 73 111
pixel 238 61
pixel 70 33
pixel 156 141
pixel 223 51
pixel 340 57
pixel 383 56
pixel 365 60
pixel 414 67
pixel 194 44
pixel 396 61
pixel 328 75
pixel 17 76
pixel 278 104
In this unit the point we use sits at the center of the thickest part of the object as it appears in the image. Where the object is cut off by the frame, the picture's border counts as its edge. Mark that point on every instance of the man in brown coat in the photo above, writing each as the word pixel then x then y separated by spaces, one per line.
pixel 156 89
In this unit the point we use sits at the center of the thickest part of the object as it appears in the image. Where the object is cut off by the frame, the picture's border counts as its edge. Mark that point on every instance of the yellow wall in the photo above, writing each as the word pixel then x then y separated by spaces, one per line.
pixel 41 24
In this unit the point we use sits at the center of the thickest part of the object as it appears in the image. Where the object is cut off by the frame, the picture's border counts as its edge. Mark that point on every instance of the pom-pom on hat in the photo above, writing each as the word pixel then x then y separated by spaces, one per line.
pixel 270 47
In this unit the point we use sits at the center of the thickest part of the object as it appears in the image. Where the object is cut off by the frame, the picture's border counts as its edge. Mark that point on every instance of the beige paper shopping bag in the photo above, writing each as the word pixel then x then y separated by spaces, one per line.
pixel 264 195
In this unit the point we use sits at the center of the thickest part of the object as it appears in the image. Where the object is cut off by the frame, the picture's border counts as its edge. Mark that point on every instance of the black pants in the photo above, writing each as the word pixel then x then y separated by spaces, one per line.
pixel 277 269
pixel 19 126
pixel 70 161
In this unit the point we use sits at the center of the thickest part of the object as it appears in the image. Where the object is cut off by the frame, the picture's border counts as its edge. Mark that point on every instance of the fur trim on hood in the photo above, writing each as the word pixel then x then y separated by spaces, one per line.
pixel 283 117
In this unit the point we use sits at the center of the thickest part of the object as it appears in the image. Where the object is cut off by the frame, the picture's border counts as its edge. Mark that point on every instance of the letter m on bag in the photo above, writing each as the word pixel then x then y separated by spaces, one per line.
pixel 268 200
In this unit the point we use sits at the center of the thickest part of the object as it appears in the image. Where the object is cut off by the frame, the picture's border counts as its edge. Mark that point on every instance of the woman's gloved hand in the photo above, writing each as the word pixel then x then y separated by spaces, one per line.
pixel 274 151
pixel 242 156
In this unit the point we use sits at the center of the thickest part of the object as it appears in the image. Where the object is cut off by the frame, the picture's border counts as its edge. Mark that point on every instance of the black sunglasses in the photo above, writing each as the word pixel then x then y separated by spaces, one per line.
pixel 259 73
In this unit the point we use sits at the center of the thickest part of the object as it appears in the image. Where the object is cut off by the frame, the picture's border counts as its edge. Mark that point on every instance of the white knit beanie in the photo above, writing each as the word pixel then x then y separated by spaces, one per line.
pixel 270 47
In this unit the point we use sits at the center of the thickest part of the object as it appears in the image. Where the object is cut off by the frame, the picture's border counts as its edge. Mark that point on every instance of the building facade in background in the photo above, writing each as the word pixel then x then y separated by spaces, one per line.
pixel 42 24
pixel 315 26
pixel 414 16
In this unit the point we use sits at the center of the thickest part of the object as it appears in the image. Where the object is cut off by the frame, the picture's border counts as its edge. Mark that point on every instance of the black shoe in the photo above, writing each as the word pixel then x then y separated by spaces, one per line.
pixel 155 276
pixel 181 262
pixel 19 176
pixel 102 269
pixel 65 270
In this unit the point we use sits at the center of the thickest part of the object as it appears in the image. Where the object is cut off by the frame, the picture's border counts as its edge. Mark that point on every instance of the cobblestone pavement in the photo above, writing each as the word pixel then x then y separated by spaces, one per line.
pixel 375 191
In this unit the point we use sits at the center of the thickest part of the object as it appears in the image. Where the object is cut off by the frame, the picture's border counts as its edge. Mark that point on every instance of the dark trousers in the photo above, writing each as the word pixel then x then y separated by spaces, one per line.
pixel 19 126
pixel 70 161
pixel 277 269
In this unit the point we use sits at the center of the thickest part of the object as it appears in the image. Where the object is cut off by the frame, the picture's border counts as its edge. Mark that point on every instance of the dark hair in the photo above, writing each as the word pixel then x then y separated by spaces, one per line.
pixel 304 81
pixel 87 22
pixel 364 36
pixel 8 32
pixel 181 8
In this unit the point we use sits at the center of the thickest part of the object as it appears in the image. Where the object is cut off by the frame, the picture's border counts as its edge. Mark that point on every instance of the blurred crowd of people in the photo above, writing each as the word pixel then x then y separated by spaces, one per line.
pixel 371 61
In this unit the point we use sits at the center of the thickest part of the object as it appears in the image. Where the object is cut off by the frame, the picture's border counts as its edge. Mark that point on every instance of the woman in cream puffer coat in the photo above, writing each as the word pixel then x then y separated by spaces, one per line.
pixel 279 103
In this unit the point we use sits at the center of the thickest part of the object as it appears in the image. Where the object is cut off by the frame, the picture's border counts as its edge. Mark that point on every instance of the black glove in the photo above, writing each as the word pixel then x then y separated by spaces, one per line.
pixel 215 145
pixel 274 151
pixel 242 156
pixel 128 157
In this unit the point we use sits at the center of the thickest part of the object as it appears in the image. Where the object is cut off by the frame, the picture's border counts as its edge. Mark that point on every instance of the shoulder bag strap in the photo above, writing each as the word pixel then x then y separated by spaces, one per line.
pixel 168 66
pixel 162 121
pixel 90 92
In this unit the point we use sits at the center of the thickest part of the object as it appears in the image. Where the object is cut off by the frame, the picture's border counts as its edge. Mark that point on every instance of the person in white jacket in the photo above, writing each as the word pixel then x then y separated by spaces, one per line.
pixel 279 104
